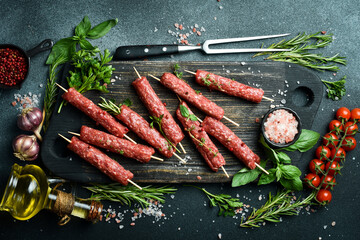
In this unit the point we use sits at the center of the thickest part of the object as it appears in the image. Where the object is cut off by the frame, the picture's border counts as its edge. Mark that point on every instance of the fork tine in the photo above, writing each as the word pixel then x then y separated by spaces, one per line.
pixel 243 39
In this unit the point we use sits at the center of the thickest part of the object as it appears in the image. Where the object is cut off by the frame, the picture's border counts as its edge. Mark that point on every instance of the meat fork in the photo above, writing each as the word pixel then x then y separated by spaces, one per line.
pixel 140 51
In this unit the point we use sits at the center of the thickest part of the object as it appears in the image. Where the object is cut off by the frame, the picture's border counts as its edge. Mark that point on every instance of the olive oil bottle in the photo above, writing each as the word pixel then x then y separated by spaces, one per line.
pixel 28 191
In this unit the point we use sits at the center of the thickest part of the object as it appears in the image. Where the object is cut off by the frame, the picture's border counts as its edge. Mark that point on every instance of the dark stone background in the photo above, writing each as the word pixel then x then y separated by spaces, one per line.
pixel 26 23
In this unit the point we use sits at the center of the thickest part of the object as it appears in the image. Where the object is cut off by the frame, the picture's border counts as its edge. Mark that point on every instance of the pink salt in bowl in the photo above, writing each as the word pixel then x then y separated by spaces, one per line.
pixel 281 127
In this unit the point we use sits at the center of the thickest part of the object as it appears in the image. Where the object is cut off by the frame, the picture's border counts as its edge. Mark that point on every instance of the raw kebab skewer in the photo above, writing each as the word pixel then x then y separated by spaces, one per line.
pixel 95 112
pixel 232 142
pixel 156 109
pixel 229 86
pixel 117 145
pixel 141 127
pixel 182 89
pixel 200 138
pixel 101 161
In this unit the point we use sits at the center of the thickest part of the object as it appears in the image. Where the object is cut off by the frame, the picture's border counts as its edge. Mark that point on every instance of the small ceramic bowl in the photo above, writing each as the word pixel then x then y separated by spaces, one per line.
pixel 44 45
pixel 286 144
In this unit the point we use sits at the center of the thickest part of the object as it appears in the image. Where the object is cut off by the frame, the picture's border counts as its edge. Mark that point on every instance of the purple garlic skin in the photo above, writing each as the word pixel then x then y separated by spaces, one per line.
pixel 26 147
pixel 30 119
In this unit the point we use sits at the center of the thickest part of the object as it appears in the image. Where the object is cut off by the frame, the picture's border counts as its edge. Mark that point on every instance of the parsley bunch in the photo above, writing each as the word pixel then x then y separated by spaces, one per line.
pixel 335 90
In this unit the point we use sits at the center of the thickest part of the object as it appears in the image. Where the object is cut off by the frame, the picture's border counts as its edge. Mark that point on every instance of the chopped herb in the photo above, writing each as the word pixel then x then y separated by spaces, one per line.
pixel 335 90
pixel 120 152
pixel 158 120
pixel 197 92
pixel 206 80
pixel 176 72
pixel 185 113
pixel 127 102
pixel 202 142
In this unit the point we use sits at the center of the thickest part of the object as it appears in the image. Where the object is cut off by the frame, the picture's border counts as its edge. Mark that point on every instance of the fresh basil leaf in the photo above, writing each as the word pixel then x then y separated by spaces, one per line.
pixel 65 48
pixel 305 142
pixel 245 176
pixel 101 29
pixel 290 171
pixel 184 111
pixel 86 45
pixel 269 151
pixel 267 178
pixel 83 27
pixel 292 184
pixel 284 158
pixel 192 117
pixel 278 174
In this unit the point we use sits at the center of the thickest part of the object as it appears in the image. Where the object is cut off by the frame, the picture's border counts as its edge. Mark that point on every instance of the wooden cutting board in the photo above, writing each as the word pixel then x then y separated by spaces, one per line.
pixel 289 85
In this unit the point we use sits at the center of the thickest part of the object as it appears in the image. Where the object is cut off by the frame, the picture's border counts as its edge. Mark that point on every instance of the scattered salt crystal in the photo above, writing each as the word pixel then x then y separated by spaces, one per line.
pixel 155 30
pixel 325 226
pixel 219 235
pixel 172 196
pixel 333 223
pixel 179 228
pixel 121 226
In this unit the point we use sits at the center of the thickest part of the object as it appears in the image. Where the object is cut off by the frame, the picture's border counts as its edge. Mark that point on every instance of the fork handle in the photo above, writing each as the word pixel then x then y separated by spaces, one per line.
pixel 142 51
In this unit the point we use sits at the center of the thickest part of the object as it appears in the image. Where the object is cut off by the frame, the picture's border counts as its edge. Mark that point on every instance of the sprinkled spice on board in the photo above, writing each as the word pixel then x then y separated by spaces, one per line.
pixel 281 126
pixel 28 100
pixel 183 33
pixel 13 66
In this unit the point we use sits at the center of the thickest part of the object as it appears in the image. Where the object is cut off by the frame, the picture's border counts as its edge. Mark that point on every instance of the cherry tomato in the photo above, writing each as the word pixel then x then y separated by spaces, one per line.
pixel 324 196
pixel 330 140
pixel 349 143
pixel 335 125
pixel 334 168
pixel 351 128
pixel 343 113
pixel 340 154
pixel 328 179
pixel 323 153
pixel 312 180
pixel 355 114
pixel 315 162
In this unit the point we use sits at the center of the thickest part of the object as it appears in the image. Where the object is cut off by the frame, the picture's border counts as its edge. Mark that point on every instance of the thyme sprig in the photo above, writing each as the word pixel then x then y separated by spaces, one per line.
pixel 226 204
pixel 300 45
pixel 279 205
pixel 127 195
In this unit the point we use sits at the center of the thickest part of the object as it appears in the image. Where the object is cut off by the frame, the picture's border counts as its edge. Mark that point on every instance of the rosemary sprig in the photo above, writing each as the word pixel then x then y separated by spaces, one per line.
pixel 51 90
pixel 280 204
pixel 110 106
pixel 126 195
pixel 300 45
pixel 224 202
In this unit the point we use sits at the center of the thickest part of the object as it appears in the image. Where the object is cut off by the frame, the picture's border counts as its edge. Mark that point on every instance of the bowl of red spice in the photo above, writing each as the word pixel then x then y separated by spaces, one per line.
pixel 15 63
pixel 281 127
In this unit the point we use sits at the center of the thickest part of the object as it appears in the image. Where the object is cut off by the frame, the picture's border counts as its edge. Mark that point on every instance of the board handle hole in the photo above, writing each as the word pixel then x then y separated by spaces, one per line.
pixel 59 148
pixel 303 97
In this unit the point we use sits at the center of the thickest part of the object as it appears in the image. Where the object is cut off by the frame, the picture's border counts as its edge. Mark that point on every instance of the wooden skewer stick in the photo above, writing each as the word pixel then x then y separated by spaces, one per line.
pixel 182 160
pixel 62 88
pixel 154 77
pixel 269 99
pixel 182 148
pixel 236 124
pixel 156 158
pixel 190 72
pixel 127 179
pixel 262 169
pixel 137 72
pixel 227 175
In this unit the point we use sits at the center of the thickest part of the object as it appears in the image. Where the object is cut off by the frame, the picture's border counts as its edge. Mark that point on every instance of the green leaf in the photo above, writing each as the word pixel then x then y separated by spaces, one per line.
pixel 84 26
pixel 86 45
pixel 127 102
pixel 305 142
pixel 290 171
pixel 101 29
pixel 65 48
pixel 184 111
pixel 192 117
pixel 269 151
pixel 245 176
pixel 292 184
pixel 267 178
pixel 284 158
pixel 278 174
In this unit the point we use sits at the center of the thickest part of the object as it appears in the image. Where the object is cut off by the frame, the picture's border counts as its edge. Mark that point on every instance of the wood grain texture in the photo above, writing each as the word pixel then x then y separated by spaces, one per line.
pixel 297 87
